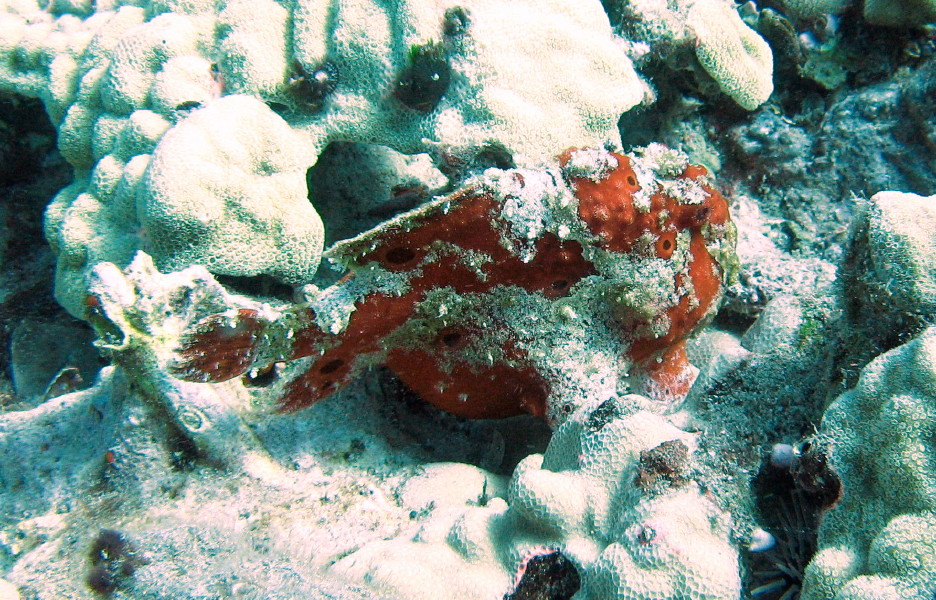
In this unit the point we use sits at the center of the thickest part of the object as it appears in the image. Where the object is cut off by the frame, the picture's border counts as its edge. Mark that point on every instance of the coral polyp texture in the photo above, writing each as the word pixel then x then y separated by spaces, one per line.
pixel 489 302
pixel 708 37
pixel 878 541
pixel 736 57
pixel 183 120
pixel 900 13
pixel 584 504
pixel 891 269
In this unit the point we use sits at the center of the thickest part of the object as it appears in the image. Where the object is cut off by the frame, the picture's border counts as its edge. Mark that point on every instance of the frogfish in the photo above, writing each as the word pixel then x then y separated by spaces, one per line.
pixel 525 291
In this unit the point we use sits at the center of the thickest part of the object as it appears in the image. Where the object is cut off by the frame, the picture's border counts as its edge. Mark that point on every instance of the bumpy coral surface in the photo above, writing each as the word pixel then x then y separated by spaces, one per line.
pixel 891 265
pixel 611 487
pixel 489 302
pixel 878 541
pixel 900 13
pixel 679 32
pixel 144 87
pixel 732 53
pixel 585 506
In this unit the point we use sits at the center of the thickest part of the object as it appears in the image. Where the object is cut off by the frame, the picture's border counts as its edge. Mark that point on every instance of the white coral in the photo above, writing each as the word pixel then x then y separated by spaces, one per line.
pixel 878 540
pixel 580 499
pixel 534 78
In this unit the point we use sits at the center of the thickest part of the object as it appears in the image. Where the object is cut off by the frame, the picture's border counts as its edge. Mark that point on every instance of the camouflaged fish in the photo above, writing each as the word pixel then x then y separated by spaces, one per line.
pixel 525 291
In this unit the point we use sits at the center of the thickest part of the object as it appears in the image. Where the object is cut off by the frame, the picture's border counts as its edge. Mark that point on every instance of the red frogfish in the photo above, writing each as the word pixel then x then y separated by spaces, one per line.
pixel 528 290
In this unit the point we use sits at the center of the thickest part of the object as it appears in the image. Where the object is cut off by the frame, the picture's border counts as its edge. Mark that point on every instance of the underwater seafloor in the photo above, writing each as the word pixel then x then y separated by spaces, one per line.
pixel 801 463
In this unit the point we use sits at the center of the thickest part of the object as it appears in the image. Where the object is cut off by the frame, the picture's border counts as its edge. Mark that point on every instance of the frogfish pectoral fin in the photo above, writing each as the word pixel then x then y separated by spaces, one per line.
pixel 219 347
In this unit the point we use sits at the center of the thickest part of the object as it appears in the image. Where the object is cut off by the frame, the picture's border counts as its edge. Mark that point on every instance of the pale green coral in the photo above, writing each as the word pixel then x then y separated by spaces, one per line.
pixel 648 544
pixel 878 541
pixel 709 35
pixel 732 53
pixel 899 247
pixel 811 9
pixel 116 80
pixel 890 271
pixel 893 13
pixel 226 188
pixel 663 541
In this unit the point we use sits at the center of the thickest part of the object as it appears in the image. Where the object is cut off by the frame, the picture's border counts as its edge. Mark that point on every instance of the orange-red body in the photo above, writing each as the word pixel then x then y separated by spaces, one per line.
pixel 466 246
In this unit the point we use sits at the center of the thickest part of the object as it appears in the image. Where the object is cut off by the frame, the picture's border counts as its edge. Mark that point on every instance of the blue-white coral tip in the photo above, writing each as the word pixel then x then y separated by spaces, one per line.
pixel 761 540
pixel 782 456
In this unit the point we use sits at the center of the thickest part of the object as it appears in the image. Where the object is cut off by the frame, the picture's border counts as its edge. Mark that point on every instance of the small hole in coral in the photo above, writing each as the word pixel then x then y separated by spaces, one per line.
pixel 631 181
pixel 331 366
pixel 261 377
pixel 646 535
pixel 667 245
pixel 456 21
pixel 399 256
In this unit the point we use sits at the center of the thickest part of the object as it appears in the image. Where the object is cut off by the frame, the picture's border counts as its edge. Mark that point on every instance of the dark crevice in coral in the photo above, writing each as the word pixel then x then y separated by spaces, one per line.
pixel 496 445
pixel 258 285
pixel 184 455
pixel 343 214
pixel 32 171
pixel 549 576
pixel 733 321
pixel 792 490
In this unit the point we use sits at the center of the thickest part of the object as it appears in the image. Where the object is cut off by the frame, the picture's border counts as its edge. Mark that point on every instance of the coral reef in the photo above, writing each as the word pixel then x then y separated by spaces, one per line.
pixel 880 432
pixel 811 9
pixel 686 35
pixel 877 542
pixel 890 270
pixel 798 179
pixel 224 188
pixel 467 297
pixel 208 152
pixel 135 89
pixel 915 13
pixel 893 13
pixel 734 55
pixel 133 457
pixel 585 500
